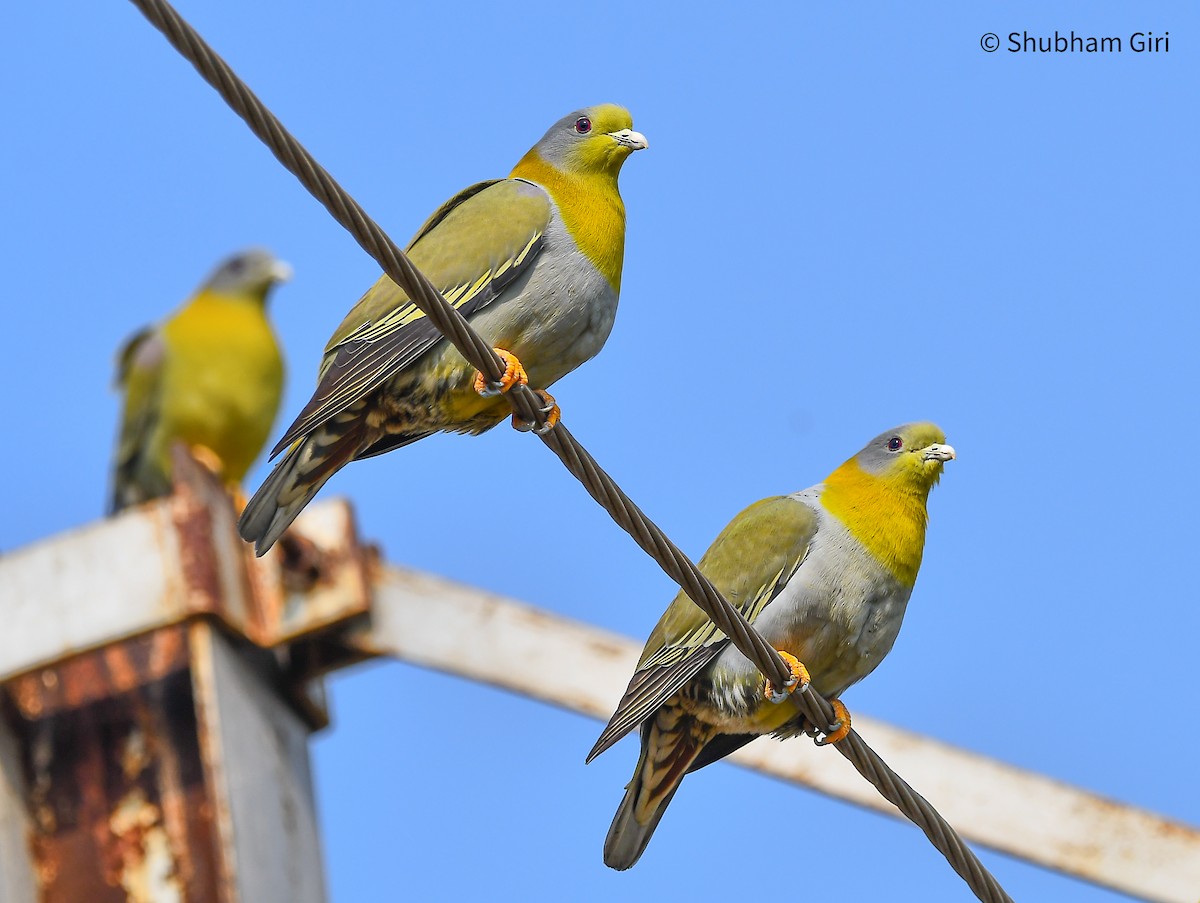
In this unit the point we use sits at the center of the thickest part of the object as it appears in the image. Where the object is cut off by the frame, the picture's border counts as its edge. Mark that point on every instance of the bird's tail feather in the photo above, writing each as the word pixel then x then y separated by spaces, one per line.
pixel 298 477
pixel 135 478
pixel 131 484
pixel 670 743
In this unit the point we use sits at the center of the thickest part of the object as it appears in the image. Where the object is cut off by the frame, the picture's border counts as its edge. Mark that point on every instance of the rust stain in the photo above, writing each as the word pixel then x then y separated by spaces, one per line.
pixel 115 786
pixel 305 565
pixel 140 853
pixel 308 584
pixel 193 520
pixel 305 584
pixel 208 745
pixel 1156 825
pixel 172 760
pixel 264 588
pixel 91 676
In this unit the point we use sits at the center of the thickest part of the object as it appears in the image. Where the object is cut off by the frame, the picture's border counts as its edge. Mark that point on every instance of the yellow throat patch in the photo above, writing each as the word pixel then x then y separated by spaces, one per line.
pixel 591 208
pixel 886 514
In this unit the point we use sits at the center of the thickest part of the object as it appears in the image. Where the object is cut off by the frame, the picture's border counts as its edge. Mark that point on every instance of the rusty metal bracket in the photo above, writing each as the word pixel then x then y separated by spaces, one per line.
pixel 175 560
pixel 167 766
pixel 158 684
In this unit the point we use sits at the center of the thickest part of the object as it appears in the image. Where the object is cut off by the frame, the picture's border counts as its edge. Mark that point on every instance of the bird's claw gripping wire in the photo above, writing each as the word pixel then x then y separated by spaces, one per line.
pixel 549 410
pixel 514 374
pixel 840 725
pixel 798 680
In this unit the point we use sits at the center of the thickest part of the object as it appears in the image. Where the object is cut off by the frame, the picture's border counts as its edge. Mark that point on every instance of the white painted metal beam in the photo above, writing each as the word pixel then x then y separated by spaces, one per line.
pixel 450 627
pixel 164 563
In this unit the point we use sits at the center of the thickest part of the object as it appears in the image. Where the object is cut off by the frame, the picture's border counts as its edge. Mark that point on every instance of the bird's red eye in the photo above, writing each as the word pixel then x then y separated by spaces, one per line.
pixel 895 443
pixel 583 125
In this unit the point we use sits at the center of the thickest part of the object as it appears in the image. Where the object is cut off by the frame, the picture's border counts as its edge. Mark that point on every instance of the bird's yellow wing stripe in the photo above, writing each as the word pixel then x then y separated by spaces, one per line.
pixel 457 296
pixel 471 248
pixel 775 533
pixel 707 633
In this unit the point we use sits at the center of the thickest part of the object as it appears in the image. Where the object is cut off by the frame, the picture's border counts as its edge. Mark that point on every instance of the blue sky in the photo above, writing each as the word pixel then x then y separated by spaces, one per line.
pixel 843 222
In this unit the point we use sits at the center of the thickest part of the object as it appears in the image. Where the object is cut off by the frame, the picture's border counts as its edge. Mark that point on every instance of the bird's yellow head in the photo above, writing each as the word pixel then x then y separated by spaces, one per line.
pixel 594 140
pixel 577 162
pixel 880 494
pixel 910 457
pixel 248 274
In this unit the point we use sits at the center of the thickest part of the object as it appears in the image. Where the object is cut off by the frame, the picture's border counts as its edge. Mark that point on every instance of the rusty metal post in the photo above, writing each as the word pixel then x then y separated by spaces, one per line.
pixel 167 768
pixel 158 686
pixel 115 786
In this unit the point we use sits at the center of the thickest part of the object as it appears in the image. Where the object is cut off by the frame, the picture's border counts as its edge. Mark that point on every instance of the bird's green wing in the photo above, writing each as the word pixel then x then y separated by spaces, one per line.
pixel 470 249
pixel 139 375
pixel 750 562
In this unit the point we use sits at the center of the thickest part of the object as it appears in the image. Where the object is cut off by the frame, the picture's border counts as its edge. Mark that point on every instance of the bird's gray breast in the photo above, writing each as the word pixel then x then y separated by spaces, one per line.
pixel 839 614
pixel 555 316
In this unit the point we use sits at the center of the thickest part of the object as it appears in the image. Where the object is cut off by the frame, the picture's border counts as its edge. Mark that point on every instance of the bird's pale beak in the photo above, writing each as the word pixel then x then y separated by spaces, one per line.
pixel 939 453
pixel 280 271
pixel 630 139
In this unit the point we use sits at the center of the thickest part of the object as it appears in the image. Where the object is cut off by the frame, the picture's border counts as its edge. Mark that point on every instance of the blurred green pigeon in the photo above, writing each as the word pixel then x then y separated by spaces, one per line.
pixel 824 575
pixel 532 261
pixel 210 377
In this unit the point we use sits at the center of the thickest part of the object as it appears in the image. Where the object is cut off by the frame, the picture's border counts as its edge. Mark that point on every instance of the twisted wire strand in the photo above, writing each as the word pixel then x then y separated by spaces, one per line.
pixel 347 212
pixel 343 208
pixel 900 794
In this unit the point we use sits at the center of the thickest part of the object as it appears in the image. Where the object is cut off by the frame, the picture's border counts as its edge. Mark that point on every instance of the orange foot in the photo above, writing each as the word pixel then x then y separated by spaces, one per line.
pixel 514 374
pixel 208 459
pixel 799 679
pixel 549 408
pixel 841 725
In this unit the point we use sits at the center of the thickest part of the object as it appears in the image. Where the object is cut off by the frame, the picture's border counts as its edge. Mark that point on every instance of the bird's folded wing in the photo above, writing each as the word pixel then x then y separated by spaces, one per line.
pixel 470 249
pixel 750 562
pixel 139 375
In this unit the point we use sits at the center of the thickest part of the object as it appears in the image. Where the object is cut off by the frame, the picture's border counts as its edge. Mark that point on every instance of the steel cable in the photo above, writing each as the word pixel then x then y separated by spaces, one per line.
pixel 577 460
